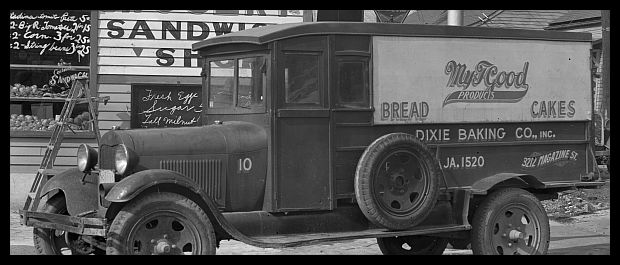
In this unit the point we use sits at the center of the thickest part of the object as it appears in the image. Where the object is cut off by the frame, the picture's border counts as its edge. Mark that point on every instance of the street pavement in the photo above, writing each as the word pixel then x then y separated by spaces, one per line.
pixel 580 235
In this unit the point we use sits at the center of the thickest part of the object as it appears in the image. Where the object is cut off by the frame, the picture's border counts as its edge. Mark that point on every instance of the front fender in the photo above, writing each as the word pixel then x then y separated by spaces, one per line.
pixel 129 187
pixel 81 196
pixel 133 185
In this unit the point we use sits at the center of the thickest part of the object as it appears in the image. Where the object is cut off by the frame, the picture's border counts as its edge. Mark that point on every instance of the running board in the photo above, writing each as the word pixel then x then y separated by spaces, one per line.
pixel 296 240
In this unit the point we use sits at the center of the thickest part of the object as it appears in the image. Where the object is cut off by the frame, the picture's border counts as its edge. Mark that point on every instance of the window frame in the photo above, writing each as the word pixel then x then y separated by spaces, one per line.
pixel 235 109
pixel 365 60
pixel 319 56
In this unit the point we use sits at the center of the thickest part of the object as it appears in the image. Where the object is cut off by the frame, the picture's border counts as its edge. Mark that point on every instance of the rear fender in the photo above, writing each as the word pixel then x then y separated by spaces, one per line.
pixel 481 187
pixel 81 196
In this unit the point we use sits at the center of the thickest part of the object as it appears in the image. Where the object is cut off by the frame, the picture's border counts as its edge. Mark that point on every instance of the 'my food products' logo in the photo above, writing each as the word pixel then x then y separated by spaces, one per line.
pixel 495 86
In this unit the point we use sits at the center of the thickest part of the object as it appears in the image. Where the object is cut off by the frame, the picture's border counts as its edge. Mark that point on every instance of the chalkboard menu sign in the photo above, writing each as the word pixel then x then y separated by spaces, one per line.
pixel 42 37
pixel 160 106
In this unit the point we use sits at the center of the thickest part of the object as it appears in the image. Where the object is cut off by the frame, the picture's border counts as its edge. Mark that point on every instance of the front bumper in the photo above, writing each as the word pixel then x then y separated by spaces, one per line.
pixel 78 225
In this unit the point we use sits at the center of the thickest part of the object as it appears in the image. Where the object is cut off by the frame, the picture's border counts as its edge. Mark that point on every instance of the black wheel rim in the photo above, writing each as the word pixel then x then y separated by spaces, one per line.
pixel 400 183
pixel 515 230
pixel 164 233
pixel 57 238
pixel 58 243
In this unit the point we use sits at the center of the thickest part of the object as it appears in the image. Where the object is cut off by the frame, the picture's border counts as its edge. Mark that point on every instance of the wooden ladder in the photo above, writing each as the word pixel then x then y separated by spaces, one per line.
pixel 79 86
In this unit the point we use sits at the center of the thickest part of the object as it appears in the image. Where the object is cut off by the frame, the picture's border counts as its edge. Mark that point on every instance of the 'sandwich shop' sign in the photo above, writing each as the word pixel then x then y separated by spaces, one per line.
pixel 158 42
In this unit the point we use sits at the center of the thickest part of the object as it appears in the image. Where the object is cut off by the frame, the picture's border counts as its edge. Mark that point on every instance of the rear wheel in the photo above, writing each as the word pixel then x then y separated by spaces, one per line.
pixel 397 181
pixel 510 222
pixel 161 223
pixel 412 245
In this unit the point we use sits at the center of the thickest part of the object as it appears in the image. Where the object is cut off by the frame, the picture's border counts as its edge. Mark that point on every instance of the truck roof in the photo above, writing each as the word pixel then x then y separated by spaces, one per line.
pixel 266 34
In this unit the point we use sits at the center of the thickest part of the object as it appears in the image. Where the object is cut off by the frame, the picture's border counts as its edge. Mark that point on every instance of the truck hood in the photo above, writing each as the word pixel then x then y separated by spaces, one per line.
pixel 229 137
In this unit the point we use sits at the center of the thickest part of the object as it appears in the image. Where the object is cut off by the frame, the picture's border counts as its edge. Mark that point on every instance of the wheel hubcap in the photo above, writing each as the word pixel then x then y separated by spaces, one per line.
pixel 516 231
pixel 400 183
pixel 164 233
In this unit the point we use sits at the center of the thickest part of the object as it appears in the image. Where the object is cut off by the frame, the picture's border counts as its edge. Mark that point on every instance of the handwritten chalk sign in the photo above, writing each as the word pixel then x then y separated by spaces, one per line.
pixel 42 37
pixel 160 106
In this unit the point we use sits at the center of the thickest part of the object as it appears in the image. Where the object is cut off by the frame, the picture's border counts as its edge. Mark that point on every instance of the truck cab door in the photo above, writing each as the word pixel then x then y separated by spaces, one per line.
pixel 302 133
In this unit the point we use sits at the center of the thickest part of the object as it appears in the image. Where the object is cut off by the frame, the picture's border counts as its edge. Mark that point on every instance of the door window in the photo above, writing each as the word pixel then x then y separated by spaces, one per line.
pixel 252 78
pixel 221 83
pixel 353 83
pixel 301 79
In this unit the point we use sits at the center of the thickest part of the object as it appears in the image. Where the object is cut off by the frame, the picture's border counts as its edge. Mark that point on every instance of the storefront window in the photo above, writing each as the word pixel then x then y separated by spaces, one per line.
pixel 49 50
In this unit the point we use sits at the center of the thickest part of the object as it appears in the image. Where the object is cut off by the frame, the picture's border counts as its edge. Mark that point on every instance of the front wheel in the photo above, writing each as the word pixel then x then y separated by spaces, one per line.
pixel 510 222
pixel 412 245
pixel 161 223
pixel 49 241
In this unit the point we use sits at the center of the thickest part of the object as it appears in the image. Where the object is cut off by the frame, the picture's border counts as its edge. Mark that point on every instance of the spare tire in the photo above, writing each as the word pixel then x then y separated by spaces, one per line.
pixel 397 181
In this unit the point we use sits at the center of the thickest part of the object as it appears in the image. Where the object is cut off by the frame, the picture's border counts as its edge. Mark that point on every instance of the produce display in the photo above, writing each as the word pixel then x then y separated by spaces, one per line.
pixel 19 90
pixel 33 123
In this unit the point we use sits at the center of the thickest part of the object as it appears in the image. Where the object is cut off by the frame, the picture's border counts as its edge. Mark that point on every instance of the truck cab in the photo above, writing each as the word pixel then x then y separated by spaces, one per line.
pixel 327 131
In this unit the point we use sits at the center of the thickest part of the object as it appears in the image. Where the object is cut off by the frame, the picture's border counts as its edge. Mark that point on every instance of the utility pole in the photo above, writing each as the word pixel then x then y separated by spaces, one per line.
pixel 606 61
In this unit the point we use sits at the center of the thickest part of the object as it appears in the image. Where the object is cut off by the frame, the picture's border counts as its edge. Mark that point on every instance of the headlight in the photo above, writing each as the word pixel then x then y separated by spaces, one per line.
pixel 86 157
pixel 124 159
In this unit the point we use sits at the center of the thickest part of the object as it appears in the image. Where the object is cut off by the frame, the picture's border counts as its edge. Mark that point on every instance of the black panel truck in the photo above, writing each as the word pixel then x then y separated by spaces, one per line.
pixel 416 135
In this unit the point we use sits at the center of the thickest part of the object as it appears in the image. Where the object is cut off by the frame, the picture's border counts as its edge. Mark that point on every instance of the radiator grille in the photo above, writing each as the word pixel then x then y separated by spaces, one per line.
pixel 206 173
pixel 106 156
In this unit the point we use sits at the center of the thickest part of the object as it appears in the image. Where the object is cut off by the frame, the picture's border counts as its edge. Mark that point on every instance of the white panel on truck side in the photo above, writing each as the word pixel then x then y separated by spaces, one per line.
pixel 467 80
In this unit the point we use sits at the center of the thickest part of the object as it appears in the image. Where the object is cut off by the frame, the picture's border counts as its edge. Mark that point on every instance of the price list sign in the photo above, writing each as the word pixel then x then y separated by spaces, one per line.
pixel 159 106
pixel 41 37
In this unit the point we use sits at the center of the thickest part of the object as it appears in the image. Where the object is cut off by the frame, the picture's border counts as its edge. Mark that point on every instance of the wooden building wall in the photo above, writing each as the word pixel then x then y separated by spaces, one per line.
pixel 141 47
pixel 154 47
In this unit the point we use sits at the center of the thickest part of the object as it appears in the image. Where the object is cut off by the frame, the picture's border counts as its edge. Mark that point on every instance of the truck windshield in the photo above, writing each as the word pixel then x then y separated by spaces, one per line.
pixel 237 82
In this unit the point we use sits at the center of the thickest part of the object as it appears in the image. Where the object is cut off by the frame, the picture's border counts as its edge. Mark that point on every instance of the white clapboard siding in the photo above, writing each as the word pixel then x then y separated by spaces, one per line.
pixel 173 30
pixel 112 116
pixel 26 154
pixel 116 97
pixel 142 70
pixel 36 160
pixel 184 16
pixel 144 52
pixel 122 107
pixel 40 151
pixel 107 125
pixel 144 43
pixel 114 88
pixel 28 141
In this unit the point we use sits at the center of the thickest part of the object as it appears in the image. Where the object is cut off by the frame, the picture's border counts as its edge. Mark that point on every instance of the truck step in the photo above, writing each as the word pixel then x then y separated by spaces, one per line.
pixel 296 240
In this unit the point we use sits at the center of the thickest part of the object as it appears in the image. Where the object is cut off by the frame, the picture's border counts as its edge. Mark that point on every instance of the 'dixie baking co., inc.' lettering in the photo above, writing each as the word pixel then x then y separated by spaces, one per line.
pixel 487 74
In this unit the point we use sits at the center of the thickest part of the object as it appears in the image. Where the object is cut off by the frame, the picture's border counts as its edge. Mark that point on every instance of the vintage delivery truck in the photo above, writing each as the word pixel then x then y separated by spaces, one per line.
pixel 415 135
